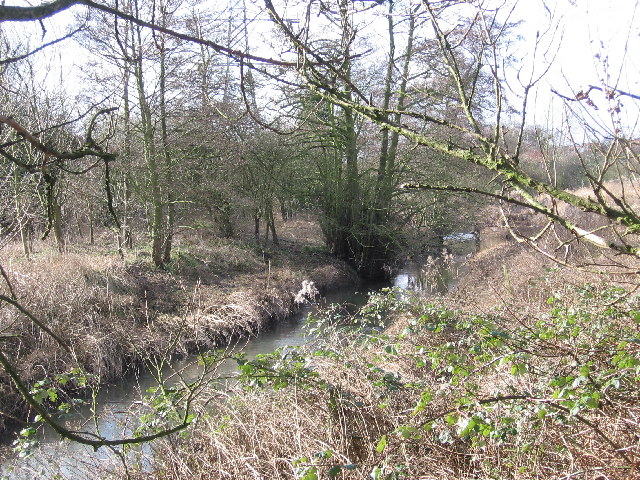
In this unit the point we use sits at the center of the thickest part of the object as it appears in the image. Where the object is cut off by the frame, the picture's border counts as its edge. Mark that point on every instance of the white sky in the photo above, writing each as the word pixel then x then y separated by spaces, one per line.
pixel 583 26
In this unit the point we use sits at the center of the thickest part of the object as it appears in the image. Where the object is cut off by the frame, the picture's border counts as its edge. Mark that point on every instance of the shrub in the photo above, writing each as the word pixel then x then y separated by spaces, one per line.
pixel 441 394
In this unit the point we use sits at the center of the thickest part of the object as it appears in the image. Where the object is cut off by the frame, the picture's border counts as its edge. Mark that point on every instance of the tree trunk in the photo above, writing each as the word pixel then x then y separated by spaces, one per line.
pixel 380 206
pixel 78 225
pixel 57 224
pixel 157 206
pixel 126 236
pixel 271 225
pixel 91 229
pixel 400 107
pixel 169 225
pixel 256 226
pixel 23 225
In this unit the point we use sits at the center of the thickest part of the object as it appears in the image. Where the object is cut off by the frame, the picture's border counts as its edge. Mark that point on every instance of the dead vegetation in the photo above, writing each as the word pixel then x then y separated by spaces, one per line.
pixel 114 314
pixel 529 370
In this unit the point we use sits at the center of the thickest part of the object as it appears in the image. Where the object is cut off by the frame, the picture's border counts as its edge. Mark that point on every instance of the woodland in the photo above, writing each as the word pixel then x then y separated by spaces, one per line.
pixel 172 170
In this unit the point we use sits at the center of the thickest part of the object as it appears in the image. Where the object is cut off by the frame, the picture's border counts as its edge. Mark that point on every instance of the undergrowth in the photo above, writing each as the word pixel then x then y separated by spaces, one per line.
pixel 117 315
pixel 443 394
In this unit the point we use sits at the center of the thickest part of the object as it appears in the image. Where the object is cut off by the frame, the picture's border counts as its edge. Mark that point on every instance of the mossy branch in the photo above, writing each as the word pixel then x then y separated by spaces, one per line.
pixel 536 206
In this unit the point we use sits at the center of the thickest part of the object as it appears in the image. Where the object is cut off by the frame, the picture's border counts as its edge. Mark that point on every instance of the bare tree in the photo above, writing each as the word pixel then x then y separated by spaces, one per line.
pixel 470 50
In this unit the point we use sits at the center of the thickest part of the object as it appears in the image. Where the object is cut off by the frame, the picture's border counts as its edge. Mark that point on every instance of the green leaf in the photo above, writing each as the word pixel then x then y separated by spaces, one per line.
pixel 39 396
pixel 334 471
pixel 466 426
pixel 391 349
pixel 382 444
pixel 52 394
pixel 310 474
pixel 28 432
pixel 298 461
pixel 323 454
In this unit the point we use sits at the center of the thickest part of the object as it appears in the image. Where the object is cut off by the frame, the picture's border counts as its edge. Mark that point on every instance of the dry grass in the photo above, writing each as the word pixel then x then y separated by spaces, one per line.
pixel 116 313
pixel 283 434
pixel 365 390
pixel 360 392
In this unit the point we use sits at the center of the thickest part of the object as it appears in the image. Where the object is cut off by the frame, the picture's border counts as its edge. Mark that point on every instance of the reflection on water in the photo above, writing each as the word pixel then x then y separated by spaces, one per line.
pixel 438 274
pixel 119 406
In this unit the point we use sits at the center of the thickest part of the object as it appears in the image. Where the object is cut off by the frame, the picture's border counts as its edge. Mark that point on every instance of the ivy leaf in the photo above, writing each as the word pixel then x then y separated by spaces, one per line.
pixel 391 349
pixel 40 395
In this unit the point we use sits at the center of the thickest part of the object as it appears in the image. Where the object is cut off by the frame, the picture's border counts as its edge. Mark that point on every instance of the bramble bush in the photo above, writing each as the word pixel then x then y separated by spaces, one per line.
pixel 446 392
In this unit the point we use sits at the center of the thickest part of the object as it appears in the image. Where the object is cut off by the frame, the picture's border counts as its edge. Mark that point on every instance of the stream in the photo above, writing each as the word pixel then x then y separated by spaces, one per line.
pixel 56 459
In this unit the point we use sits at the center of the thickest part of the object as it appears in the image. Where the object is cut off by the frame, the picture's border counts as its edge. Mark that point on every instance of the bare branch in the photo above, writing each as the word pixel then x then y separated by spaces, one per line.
pixel 31 13
pixel 40 48
pixel 15 304
pixel 81 437
pixel 90 148
pixel 609 92
pixel 10 13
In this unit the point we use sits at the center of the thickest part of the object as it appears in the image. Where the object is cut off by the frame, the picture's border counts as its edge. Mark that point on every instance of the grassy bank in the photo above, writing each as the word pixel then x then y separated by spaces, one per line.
pixel 115 314
pixel 528 370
